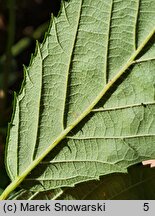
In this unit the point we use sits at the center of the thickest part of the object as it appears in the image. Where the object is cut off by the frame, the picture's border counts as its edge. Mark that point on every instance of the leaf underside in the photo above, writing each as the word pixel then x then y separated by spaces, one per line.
pixel 85 48
pixel 138 184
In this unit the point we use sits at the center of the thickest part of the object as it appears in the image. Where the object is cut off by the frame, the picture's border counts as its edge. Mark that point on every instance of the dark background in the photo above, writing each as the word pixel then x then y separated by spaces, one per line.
pixel 21 23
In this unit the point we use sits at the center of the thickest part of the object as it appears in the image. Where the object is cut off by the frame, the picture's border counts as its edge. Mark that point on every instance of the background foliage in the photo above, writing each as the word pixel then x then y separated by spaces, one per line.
pixel 30 22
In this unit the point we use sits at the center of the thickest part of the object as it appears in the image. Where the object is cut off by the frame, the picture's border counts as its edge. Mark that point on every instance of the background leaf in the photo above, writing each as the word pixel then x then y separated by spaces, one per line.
pixel 86 48
pixel 1 191
pixel 138 184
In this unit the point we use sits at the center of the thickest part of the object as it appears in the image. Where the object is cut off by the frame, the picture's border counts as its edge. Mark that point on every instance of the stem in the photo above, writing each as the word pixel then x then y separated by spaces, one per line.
pixel 20 178
pixel 25 42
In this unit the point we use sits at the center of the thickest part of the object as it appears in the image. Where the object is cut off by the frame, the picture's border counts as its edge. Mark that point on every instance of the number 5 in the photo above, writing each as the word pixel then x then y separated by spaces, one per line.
pixel 146 207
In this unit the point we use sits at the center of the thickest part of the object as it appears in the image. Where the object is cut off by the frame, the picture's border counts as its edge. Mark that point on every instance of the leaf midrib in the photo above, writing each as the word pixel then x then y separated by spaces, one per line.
pixel 109 85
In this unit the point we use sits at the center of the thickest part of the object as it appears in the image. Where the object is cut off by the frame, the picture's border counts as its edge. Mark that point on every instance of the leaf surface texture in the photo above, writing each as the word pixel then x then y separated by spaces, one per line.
pixel 91 45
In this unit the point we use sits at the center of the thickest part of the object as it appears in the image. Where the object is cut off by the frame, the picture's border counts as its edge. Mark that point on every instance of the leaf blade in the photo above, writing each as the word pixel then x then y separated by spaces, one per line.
pixel 86 103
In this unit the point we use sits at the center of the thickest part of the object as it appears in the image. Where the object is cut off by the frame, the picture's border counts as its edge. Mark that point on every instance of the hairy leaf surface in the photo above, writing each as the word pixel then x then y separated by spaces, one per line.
pixel 87 105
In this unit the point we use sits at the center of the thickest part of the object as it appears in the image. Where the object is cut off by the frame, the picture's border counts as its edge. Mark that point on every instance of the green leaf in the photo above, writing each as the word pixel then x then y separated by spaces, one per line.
pixel 87 103
pixel 138 184
pixel 1 191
